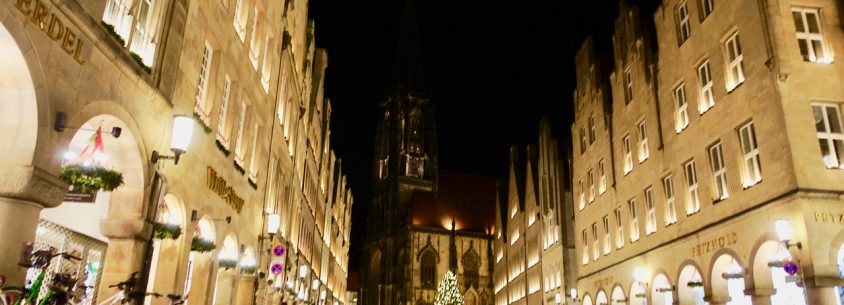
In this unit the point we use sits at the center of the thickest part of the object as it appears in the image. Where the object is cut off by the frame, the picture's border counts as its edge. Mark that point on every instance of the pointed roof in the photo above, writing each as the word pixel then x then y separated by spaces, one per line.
pixel 408 77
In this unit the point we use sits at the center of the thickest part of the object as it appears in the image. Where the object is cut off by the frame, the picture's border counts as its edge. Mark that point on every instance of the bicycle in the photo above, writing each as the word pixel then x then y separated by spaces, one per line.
pixel 42 260
pixel 8 295
pixel 129 291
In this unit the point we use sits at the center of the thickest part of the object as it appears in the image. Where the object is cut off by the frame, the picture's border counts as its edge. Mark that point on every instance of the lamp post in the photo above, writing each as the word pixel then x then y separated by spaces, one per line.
pixel 180 138
pixel 573 295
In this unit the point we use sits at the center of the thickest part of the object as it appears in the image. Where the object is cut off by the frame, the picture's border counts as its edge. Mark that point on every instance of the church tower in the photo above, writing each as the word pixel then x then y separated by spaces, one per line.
pixel 405 157
pixel 404 163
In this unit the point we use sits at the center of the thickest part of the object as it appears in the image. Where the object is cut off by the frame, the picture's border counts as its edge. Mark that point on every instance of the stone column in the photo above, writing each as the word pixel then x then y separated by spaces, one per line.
pixel 24 191
pixel 245 289
pixel 821 295
pixel 125 254
pixel 760 296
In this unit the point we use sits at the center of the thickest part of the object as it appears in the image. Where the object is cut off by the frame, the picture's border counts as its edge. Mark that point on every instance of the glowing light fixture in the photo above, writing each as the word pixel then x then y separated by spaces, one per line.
pixel 273 223
pixel 179 138
pixel 783 230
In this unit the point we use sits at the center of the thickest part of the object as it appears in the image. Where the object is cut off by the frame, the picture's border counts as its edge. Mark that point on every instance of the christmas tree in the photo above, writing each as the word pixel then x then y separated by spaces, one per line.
pixel 447 292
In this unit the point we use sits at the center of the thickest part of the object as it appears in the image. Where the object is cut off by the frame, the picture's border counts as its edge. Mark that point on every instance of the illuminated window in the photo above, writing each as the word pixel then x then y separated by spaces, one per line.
pixel 628 86
pixel 202 106
pixel 582 197
pixel 809 35
pixel 734 58
pixel 670 208
pixel 257 38
pixel 628 155
pixel 238 146
pixel 619 229
pixel 706 8
pixel 830 135
pixel 704 77
pixel 606 234
pixel 693 202
pixel 582 140
pixel 253 157
pixel 595 250
pixel 602 180
pixel 138 18
pixel 650 226
pixel 585 257
pixel 643 142
pixel 222 124
pixel 719 171
pixel 241 13
pixel 591 129
pixel 591 186
pixel 683 29
pixel 681 119
pixel 752 168
pixel 634 220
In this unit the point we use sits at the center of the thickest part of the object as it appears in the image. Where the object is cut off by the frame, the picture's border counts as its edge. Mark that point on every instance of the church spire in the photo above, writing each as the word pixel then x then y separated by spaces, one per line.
pixel 409 78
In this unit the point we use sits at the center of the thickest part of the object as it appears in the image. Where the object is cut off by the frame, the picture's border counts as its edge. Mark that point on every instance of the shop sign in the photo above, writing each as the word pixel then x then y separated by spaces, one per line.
pixel 829 217
pixel 52 26
pixel 603 282
pixel 81 197
pixel 714 244
pixel 218 185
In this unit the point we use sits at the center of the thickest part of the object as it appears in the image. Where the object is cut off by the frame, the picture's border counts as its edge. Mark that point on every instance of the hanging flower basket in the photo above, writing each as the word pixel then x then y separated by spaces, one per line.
pixel 227 263
pixel 167 231
pixel 248 269
pixel 695 284
pixel 90 178
pixel 200 245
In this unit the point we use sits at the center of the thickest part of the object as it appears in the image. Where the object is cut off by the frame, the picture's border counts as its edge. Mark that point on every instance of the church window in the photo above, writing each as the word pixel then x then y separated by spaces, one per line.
pixel 471 264
pixel 429 269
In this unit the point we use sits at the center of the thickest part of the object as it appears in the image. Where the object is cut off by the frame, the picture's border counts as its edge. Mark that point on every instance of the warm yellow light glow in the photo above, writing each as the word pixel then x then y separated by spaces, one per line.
pixel 783 229
pixel 273 222
pixel 182 133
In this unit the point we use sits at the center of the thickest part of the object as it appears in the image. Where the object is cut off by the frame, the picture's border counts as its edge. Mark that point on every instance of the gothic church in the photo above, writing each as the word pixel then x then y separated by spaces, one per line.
pixel 422 221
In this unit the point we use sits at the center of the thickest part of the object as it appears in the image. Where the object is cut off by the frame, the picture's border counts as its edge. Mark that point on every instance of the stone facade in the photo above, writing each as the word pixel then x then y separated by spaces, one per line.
pixel 532 248
pixel 250 74
pixel 708 123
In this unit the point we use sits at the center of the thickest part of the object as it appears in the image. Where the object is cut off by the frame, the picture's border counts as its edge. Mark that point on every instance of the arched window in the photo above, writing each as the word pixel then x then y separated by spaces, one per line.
pixel 429 269
pixel 471 264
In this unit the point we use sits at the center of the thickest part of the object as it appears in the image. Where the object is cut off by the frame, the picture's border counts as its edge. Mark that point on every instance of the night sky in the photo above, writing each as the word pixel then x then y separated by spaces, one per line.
pixel 493 69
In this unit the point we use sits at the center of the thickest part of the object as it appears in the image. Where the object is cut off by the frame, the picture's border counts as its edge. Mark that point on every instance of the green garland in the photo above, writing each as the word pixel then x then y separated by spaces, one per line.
pixel 222 148
pixel 239 168
pixel 110 29
pixel 227 263
pixel 140 62
pixel 90 178
pixel 200 245
pixel 167 231
pixel 201 122
pixel 695 284
pixel 248 269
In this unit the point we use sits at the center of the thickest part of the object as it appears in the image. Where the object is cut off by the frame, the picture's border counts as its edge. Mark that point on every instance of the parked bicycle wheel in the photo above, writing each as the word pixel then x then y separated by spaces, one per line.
pixel 11 294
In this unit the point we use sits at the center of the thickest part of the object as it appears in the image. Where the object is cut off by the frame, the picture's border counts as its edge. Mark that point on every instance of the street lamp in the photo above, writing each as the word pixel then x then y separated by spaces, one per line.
pixel 179 138
pixel 573 295
pixel 273 223
pixel 784 233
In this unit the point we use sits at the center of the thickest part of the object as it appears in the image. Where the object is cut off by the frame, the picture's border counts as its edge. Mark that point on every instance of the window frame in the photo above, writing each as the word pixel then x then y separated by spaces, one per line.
pixel 582 140
pixel 670 200
pixel 596 251
pixel 733 44
pixel 607 243
pixel 809 37
pixel 681 116
pixel 650 221
pixel 602 180
pixel 591 175
pixel 750 155
pixel 619 229
pixel 693 185
pixel 592 137
pixel 828 135
pixel 627 154
pixel 706 93
pixel 644 151
pixel 585 255
pixel 684 28
pixel 582 198
pixel 222 121
pixel 628 86
pixel 706 7
pixel 634 220
pixel 202 106
pixel 719 171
